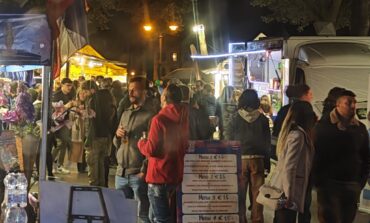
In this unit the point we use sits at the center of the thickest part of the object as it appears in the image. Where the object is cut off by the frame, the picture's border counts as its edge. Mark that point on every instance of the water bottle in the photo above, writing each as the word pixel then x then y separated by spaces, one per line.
pixel 11 186
pixel 22 190
pixel 4 204
pixel 16 215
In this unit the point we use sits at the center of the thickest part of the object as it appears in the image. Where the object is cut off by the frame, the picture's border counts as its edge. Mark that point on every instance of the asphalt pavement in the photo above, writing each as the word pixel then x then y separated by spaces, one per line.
pixel 82 179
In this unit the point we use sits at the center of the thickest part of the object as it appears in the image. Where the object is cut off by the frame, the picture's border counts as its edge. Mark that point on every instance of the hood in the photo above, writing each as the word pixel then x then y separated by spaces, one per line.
pixel 175 112
pixel 249 116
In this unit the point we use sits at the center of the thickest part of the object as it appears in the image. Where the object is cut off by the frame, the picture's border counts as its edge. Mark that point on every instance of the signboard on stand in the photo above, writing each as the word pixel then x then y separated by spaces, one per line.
pixel 212 184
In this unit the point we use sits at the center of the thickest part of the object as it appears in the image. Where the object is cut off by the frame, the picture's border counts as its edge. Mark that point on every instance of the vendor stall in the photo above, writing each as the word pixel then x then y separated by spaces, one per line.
pixel 24 52
pixel 88 62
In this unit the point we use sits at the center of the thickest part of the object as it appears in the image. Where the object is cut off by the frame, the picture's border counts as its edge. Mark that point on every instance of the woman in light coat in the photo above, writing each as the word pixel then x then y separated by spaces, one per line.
pixel 295 152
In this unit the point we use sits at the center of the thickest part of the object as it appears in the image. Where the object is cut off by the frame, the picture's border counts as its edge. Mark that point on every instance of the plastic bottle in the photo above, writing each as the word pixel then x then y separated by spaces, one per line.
pixel 12 193
pixel 22 190
pixel 16 215
pixel 4 204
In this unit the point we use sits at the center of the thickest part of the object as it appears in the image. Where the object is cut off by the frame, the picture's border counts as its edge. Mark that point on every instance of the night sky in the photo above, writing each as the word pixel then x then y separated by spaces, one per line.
pixel 231 21
pixel 225 21
pixel 237 21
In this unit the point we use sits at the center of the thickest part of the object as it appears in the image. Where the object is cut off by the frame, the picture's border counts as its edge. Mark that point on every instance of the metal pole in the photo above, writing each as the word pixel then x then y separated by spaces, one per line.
pixel 160 55
pixel 45 116
pixel 67 68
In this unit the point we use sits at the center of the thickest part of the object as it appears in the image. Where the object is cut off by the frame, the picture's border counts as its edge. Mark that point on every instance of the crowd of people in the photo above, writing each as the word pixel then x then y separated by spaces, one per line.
pixel 144 131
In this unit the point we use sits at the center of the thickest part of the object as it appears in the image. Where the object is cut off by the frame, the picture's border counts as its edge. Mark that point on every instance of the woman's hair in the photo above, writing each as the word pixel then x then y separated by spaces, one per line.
pixel 300 114
pixel 249 99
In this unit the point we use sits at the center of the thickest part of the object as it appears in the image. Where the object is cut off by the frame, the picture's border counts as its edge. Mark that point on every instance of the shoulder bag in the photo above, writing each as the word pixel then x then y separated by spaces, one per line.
pixel 269 195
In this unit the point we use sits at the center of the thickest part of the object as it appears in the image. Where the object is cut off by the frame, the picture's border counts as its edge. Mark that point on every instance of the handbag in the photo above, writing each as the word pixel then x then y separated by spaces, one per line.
pixel 270 196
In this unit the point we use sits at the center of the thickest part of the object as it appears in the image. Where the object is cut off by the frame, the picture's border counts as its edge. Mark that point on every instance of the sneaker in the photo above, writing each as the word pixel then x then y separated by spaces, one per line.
pixel 62 170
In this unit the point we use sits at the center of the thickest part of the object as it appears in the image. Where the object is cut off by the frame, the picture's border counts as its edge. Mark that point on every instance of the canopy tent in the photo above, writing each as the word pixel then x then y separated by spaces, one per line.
pixel 24 40
pixel 88 62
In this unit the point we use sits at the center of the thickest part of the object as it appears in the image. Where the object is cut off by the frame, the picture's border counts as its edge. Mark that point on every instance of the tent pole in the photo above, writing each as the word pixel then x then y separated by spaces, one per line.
pixel 45 117
pixel 67 68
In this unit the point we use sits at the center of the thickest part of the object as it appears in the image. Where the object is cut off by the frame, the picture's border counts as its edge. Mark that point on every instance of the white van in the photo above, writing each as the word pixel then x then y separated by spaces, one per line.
pixel 319 61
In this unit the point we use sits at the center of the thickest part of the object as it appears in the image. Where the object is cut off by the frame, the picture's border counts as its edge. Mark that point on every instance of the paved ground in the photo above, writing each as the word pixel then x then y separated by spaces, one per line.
pixel 82 179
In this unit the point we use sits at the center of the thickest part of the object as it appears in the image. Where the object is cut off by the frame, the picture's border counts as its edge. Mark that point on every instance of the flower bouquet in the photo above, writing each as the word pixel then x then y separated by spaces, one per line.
pixel 21 117
pixel 21 121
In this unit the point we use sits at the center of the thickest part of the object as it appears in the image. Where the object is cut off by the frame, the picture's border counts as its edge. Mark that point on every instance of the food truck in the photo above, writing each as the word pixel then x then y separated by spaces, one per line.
pixel 322 62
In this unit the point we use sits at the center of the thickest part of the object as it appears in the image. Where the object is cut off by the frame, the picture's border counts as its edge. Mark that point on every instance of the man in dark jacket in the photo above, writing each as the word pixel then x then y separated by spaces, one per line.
pixel 99 131
pixel 341 163
pixel 251 128
pixel 199 124
pixel 131 167
pixel 165 149
pixel 63 135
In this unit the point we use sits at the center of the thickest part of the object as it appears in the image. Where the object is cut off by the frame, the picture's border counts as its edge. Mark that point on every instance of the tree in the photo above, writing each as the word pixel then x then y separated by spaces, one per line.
pixel 159 12
pixel 301 13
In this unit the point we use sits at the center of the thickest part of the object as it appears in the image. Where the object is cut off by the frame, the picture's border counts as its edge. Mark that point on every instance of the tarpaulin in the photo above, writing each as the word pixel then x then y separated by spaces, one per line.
pixel 24 39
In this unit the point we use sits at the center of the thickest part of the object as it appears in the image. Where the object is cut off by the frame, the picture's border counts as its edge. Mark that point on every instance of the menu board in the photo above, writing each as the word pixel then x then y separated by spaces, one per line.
pixel 212 184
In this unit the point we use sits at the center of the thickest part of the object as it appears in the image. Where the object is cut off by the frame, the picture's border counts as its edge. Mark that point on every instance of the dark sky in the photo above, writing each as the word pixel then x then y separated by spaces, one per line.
pixel 231 21
pixel 237 21
pixel 225 21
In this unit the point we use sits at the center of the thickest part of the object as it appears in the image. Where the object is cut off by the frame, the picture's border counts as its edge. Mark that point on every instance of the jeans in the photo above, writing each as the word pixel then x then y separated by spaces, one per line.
pixel 337 201
pixel 159 197
pixel 254 177
pixel 63 137
pixel 135 188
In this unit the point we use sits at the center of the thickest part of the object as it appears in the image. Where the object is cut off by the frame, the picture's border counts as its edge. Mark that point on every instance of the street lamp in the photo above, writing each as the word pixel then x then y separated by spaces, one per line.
pixel 173 27
pixel 198 28
pixel 147 27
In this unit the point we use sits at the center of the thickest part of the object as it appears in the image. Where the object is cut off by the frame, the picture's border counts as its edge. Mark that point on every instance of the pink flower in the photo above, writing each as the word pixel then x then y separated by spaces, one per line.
pixel 10 117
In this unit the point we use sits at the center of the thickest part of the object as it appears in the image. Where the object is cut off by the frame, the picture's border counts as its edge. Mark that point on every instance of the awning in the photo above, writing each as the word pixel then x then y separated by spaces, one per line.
pixel 88 62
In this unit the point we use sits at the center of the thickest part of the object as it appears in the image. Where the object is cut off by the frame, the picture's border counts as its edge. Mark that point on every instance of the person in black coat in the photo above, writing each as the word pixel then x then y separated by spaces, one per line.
pixel 341 163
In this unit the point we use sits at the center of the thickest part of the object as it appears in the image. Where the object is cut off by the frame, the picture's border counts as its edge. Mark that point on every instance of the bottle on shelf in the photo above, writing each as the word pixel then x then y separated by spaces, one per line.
pixel 11 188
pixel 22 190
pixel 16 215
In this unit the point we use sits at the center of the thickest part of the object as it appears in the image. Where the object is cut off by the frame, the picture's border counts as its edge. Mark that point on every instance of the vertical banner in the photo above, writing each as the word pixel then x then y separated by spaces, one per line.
pixel 212 186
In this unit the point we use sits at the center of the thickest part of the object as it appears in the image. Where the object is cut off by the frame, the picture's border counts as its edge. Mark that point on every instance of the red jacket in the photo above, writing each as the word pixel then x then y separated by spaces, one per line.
pixel 166 145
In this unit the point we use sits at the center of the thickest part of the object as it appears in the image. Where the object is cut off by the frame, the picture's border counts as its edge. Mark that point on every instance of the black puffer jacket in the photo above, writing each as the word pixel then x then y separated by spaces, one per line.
pixel 102 103
pixel 199 124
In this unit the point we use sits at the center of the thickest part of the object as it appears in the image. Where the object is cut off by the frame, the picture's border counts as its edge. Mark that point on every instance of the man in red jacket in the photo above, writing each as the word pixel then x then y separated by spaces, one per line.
pixel 165 149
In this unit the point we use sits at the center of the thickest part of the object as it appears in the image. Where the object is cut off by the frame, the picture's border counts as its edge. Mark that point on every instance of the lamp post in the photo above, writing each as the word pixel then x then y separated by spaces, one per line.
pixel 158 62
